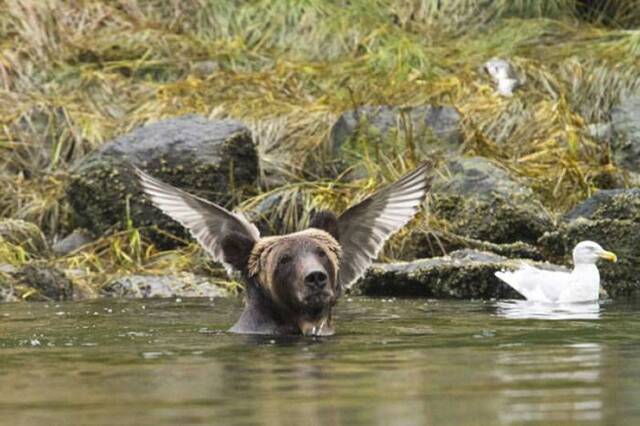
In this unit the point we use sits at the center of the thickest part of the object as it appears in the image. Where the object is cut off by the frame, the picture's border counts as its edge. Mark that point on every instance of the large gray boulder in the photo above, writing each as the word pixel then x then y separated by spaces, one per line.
pixel 625 120
pixel 441 122
pixel 387 130
pixel 480 200
pixel 609 204
pixel 213 159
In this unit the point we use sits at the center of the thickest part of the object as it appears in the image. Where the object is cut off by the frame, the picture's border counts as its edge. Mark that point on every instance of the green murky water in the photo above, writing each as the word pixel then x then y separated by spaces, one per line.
pixel 401 362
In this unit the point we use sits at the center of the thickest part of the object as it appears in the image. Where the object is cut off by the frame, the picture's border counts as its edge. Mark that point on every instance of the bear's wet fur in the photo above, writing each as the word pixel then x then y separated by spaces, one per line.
pixel 291 282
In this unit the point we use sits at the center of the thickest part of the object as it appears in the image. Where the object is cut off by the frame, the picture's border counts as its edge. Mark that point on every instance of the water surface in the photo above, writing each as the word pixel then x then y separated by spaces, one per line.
pixel 397 362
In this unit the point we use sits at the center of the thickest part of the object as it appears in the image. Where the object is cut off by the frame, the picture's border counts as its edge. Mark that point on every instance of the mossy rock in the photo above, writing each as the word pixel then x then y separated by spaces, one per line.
pixel 438 243
pixel 621 236
pixel 625 119
pixel 481 201
pixel 609 204
pixel 213 159
pixel 25 235
pixel 464 274
pixel 41 282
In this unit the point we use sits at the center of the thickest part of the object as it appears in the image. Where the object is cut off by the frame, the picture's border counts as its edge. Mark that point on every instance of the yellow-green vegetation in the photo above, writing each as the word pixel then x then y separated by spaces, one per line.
pixel 74 74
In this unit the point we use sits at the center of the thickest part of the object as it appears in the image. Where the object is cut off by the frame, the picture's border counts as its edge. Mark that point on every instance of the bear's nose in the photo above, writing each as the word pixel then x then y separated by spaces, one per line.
pixel 316 279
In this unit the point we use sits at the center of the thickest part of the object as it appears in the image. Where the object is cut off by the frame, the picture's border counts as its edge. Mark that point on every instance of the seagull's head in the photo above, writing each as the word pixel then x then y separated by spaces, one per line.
pixel 588 252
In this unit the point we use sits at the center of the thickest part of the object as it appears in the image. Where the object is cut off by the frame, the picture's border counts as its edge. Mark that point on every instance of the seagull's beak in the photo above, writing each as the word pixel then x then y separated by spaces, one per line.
pixel 608 255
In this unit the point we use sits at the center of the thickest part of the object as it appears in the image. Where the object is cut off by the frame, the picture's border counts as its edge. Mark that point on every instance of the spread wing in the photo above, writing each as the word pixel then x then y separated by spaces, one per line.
pixel 364 228
pixel 207 222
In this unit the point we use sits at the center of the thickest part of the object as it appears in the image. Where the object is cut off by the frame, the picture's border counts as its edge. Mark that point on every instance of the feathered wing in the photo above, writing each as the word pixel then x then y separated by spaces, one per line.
pixel 207 222
pixel 536 284
pixel 364 228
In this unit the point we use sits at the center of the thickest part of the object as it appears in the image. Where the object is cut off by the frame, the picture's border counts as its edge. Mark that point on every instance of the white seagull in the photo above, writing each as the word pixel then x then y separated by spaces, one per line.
pixel 580 285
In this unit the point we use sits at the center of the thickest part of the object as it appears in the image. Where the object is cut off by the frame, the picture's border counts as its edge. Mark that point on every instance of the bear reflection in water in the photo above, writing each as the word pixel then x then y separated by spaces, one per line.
pixel 294 280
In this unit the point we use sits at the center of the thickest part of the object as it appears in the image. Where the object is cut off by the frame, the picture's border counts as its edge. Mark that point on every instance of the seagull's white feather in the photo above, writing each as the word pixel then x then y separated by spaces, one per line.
pixel 582 284
pixel 538 284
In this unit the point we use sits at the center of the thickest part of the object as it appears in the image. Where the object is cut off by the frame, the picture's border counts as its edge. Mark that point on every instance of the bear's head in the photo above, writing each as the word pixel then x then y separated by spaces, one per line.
pixel 298 271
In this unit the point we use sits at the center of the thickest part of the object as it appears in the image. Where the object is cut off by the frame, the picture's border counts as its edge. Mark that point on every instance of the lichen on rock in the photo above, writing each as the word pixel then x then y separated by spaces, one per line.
pixel 480 200
pixel 464 274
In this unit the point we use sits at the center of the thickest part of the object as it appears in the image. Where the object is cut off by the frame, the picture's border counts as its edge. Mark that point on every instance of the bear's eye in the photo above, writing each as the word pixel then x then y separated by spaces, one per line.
pixel 321 253
pixel 285 259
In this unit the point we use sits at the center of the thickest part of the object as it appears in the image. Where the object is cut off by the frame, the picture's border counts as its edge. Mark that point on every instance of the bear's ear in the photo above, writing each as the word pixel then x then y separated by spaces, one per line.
pixel 236 249
pixel 326 221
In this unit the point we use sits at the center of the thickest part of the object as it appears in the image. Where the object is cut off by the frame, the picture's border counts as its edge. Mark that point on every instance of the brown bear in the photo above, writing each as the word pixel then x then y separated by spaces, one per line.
pixel 293 281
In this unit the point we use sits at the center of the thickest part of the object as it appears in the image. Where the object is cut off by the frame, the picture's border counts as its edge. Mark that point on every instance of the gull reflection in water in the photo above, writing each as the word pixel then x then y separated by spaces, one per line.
pixel 525 309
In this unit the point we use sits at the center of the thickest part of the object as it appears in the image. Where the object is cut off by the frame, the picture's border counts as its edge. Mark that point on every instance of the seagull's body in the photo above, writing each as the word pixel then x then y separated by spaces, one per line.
pixel 582 284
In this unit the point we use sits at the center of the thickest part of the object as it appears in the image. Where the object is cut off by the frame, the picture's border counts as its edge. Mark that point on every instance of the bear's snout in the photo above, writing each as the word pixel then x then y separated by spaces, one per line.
pixel 316 280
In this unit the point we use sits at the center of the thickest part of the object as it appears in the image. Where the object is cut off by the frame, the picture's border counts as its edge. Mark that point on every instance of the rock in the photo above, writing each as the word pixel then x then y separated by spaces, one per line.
pixel 625 120
pixel 25 235
pixel 151 286
pixel 621 236
pixel 7 293
pixel 394 128
pixel 438 243
pixel 609 204
pixel 482 202
pixel 602 132
pixel 213 159
pixel 279 213
pixel 464 274
pixel 72 242
pixel 43 283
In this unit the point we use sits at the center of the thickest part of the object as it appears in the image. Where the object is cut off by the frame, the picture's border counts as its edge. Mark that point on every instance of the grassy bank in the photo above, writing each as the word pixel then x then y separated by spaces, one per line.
pixel 73 75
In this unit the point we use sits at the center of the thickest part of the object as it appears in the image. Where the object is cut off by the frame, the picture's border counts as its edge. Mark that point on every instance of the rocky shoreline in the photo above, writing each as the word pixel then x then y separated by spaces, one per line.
pixel 493 219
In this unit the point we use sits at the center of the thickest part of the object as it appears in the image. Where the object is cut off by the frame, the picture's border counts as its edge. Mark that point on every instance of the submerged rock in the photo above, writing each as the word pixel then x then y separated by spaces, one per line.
pixel 464 274
pixel 43 282
pixel 152 286
pixel 481 201
pixel 213 159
